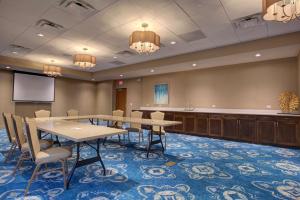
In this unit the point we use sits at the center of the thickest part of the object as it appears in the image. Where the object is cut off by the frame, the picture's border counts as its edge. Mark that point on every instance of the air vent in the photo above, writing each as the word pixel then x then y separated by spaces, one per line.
pixel 77 7
pixel 126 53
pixel 18 49
pixel 116 62
pixel 248 22
pixel 47 25
pixel 192 36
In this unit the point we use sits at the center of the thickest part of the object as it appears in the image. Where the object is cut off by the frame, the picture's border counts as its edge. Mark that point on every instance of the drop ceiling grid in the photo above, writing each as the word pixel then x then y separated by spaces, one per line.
pixel 106 32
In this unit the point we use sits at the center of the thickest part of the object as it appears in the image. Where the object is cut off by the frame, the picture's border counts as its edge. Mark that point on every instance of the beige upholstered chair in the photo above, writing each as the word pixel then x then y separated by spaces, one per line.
pixel 40 157
pixel 159 116
pixel 72 112
pixel 42 113
pixel 8 123
pixel 22 142
pixel 136 127
pixel 118 113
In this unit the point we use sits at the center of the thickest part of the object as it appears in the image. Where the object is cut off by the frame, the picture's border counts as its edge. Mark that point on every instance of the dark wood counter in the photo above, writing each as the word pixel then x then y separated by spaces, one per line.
pixel 260 129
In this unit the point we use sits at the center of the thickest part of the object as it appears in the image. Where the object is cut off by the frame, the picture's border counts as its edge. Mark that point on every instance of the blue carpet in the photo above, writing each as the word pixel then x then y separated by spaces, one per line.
pixel 205 169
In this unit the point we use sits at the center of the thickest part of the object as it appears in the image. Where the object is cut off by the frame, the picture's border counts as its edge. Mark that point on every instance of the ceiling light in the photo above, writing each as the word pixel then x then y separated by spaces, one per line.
pixel 257 55
pixel 152 70
pixel 194 65
pixel 7 67
pixel 52 70
pixel 92 79
pixel 173 42
pixel 121 75
pixel 281 10
pixel 144 41
pixel 40 34
pixel 84 60
pixel 14 52
pixel 115 57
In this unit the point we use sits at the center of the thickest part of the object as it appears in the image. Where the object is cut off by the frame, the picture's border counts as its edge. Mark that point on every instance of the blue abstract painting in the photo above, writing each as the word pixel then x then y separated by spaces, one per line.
pixel 161 94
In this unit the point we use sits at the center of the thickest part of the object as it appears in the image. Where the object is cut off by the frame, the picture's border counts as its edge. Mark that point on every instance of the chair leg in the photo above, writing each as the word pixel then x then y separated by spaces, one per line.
pixel 36 169
pixel 165 141
pixel 128 136
pixel 19 163
pixel 140 137
pixel 64 171
pixel 10 152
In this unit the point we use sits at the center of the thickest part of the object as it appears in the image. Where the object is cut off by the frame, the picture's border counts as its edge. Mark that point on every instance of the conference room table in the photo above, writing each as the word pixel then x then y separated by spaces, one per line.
pixel 72 129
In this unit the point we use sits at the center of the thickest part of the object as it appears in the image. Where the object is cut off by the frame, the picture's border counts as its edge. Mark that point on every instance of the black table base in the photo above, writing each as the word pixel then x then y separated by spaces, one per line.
pixel 83 162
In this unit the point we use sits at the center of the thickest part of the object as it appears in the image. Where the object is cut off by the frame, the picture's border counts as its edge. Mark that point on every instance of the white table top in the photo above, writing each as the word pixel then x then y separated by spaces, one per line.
pixel 151 122
pixel 75 131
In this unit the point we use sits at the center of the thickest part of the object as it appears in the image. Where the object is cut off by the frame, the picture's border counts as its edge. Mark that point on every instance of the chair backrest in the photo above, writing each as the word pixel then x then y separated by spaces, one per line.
pixel 19 130
pixel 157 116
pixel 42 113
pixel 118 113
pixel 32 137
pixel 137 115
pixel 72 112
pixel 8 122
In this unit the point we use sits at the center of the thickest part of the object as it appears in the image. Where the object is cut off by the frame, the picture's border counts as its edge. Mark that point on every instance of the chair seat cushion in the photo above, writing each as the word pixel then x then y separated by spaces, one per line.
pixel 53 154
pixel 133 129
pixel 45 144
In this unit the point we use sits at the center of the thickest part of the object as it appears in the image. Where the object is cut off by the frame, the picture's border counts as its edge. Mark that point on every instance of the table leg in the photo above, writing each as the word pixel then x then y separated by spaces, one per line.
pixel 92 121
pixel 86 161
pixel 97 121
pixel 57 141
pixel 99 157
pixel 151 142
pixel 75 165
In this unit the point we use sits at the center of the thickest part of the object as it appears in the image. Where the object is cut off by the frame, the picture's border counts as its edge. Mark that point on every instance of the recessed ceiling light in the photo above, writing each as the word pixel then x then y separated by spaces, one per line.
pixel 121 75
pixel 7 67
pixel 14 52
pixel 173 42
pixel 40 34
pixel 194 65
pixel 115 57
pixel 258 55
pixel 152 70
pixel 93 79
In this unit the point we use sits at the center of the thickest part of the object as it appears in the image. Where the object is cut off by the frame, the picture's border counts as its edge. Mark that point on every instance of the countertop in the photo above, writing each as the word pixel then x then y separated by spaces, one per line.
pixel 224 111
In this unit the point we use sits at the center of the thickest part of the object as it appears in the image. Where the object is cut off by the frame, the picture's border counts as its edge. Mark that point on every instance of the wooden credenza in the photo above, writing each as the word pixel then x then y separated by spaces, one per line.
pixel 260 129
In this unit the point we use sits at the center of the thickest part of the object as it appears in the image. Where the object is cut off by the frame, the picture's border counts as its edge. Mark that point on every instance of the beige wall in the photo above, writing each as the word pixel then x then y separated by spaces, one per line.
pixel 75 94
pixel 104 97
pixel 246 86
pixel 6 104
pixel 69 93
pixel 134 94
pixel 299 73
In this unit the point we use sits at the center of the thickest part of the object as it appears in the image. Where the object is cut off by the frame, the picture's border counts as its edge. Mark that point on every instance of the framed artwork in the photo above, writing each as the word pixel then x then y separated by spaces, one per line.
pixel 161 94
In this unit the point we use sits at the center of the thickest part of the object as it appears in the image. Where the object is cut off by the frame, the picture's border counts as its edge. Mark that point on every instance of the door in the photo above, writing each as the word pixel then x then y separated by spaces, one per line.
pixel 287 132
pixel 121 96
pixel 247 128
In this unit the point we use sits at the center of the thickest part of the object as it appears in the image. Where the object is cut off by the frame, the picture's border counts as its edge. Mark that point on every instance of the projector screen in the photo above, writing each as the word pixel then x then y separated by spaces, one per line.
pixel 28 87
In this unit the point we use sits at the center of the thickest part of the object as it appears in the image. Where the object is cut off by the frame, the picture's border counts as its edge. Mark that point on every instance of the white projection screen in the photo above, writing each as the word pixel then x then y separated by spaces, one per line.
pixel 34 88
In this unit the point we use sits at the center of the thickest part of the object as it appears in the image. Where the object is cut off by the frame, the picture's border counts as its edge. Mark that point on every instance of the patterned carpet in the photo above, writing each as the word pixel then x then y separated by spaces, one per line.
pixel 205 169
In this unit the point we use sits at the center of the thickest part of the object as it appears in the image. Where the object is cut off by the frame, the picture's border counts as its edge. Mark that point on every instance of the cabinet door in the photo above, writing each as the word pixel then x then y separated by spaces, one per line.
pixel 230 127
pixel 288 132
pixel 202 124
pixel 169 116
pixel 266 130
pixel 247 129
pixel 179 117
pixel 215 125
pixel 189 123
